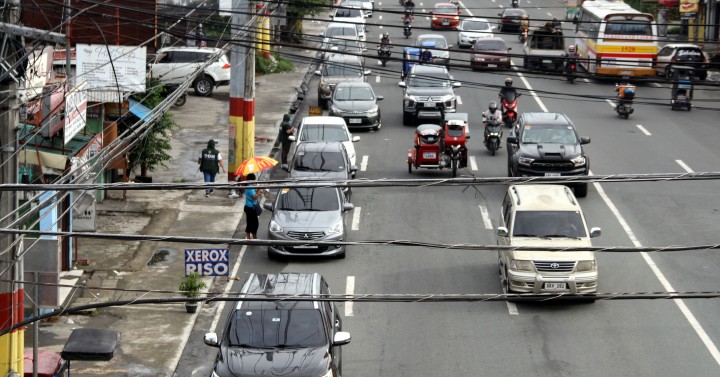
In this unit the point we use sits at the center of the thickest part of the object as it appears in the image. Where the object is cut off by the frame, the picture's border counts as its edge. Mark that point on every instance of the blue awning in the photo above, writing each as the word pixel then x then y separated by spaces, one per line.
pixel 139 110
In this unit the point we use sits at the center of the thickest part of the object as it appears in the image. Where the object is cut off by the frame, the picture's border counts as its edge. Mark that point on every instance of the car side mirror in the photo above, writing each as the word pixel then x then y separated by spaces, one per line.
pixel 402 84
pixel 379 98
pixel 584 140
pixel 353 168
pixel 500 14
pixel 341 338
pixel 502 231
pixel 268 206
pixel 509 49
pixel 348 207
pixel 211 339
pixel 317 73
pixel 595 232
pixel 355 139
pixel 291 137
pixel 456 84
pixel 512 140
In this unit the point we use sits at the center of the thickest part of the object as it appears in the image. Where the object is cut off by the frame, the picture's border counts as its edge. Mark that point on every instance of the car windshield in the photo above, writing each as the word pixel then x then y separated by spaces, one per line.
pixel 548 224
pixel 270 328
pixel 319 161
pixel 344 70
pixel 428 82
pixel 309 199
pixel 432 42
pixel 445 9
pixel 348 12
pixel 495 45
pixel 353 93
pixel 341 31
pixel 548 135
pixel 323 132
pixel 475 25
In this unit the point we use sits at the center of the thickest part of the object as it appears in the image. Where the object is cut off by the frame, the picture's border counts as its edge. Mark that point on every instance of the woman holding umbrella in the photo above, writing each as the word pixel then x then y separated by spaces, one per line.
pixel 251 201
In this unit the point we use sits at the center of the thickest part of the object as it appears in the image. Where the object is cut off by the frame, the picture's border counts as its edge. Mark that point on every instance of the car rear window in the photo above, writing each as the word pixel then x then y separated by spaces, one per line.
pixel 490 45
pixel 475 25
pixel 548 224
pixel 265 328
pixel 323 132
pixel 689 55
pixel 514 12
pixel 309 199
pixel 445 9
pixel 319 161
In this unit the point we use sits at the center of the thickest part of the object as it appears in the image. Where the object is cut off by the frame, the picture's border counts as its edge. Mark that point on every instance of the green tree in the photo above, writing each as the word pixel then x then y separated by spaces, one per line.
pixel 296 10
pixel 151 152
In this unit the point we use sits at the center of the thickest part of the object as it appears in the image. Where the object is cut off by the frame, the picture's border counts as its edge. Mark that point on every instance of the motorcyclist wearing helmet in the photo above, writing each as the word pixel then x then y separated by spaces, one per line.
pixel 626 91
pixel 490 116
pixel 508 89
pixel 409 6
pixel 385 40
pixel 571 56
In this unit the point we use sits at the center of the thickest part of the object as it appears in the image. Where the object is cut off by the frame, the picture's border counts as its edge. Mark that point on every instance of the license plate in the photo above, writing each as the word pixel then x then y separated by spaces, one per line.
pixel 547 61
pixel 429 104
pixel 556 286
pixel 446 22
pixel 428 155
pixel 305 247
pixel 355 120
pixel 626 72
pixel 492 65
pixel 552 174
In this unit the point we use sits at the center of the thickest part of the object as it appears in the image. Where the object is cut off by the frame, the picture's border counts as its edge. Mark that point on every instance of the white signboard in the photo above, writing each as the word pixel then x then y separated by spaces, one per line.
pixel 225 7
pixel 207 262
pixel 75 111
pixel 127 70
pixel 37 73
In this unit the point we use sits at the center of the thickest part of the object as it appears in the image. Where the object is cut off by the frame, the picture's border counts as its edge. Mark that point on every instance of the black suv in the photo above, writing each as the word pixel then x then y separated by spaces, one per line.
pixel 281 338
pixel 429 93
pixel 546 144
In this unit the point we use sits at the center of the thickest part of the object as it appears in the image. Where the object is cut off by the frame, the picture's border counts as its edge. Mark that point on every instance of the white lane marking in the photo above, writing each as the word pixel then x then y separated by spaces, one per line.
pixel 643 130
pixel 459 100
pixel 529 2
pixel 539 8
pixel 586 80
pixel 549 14
pixel 427 18
pixel 379 17
pixel 377 78
pixel 492 1
pixel 512 308
pixel 349 290
pixel 356 218
pixel 221 306
pixel 363 163
pixel 473 164
pixel 611 102
pixel 684 166
pixel 466 9
pixel 657 85
pixel 485 217
pixel 501 6
pixel 532 92
pixel 714 352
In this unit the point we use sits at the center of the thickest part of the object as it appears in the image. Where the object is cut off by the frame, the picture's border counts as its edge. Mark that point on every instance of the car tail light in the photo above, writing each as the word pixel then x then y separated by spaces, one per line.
pixel 226 66
pixel 572 66
pixel 456 18
pixel 434 17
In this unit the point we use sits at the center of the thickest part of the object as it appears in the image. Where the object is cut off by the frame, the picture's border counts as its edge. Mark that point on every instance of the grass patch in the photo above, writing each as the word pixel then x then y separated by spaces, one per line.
pixel 274 64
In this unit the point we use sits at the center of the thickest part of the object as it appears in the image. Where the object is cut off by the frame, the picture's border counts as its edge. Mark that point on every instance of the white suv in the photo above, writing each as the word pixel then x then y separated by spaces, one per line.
pixel 545 216
pixel 173 65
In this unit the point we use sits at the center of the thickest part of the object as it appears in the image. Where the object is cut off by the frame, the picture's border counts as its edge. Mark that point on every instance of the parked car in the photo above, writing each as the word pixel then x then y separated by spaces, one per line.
pixel 550 216
pixel 284 337
pixel 308 214
pixel 444 16
pixel 472 29
pixel 173 65
pixel 327 128
pixel 546 144
pixel 683 54
pixel 510 18
pixel 490 53
pixel 357 103
pixel 438 46
pixel 336 69
pixel 428 93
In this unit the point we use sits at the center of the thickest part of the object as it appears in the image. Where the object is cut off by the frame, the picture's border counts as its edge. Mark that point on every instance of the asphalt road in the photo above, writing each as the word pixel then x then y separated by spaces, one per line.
pixel 607 338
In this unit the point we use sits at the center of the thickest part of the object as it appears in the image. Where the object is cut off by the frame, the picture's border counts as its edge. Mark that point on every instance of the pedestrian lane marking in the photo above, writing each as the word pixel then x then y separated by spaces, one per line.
pixel 349 290
pixel 684 166
pixel 473 164
pixel 363 163
pixel 485 217
pixel 643 130
pixel 356 218
pixel 459 100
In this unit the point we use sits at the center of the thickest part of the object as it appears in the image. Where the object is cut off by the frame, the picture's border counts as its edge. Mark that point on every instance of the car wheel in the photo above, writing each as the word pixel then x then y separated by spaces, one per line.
pixel 377 128
pixel 407 119
pixel 702 76
pixel 506 282
pixel 204 86
pixel 581 190
pixel 668 70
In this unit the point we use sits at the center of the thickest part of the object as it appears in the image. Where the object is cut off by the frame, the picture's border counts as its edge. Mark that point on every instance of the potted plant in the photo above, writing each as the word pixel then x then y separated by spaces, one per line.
pixel 191 287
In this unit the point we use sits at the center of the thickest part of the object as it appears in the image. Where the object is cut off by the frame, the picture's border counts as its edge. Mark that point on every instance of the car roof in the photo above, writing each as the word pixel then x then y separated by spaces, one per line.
pixel 437 5
pixel 476 19
pixel 683 45
pixel 324 120
pixel 322 146
pixel 428 69
pixel 492 39
pixel 514 11
pixel 286 283
pixel 343 58
pixel 547 118
pixel 543 198
pixel 428 36
pixel 341 25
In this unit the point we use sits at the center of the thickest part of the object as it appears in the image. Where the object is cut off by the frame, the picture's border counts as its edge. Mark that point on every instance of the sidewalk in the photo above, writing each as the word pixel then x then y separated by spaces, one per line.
pixel 152 337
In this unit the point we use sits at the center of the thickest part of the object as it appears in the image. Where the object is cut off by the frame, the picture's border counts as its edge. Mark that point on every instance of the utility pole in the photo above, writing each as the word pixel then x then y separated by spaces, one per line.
pixel 12 345
pixel 242 88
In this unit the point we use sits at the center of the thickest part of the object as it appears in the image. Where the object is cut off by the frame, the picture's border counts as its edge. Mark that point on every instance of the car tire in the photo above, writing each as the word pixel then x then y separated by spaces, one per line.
pixel 702 76
pixel 407 119
pixel 377 128
pixel 581 190
pixel 204 86
pixel 506 282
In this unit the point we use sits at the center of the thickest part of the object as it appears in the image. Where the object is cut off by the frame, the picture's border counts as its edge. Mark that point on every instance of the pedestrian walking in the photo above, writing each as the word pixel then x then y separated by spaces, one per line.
pixel 286 129
pixel 252 196
pixel 210 161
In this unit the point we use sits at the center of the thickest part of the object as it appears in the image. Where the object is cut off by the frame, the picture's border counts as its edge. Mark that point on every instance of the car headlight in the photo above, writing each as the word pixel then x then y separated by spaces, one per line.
pixel 579 161
pixel 409 101
pixel 336 110
pixel 586 265
pixel 275 227
pixel 373 111
pixel 337 228
pixel 479 59
pixel 521 265
pixel 525 161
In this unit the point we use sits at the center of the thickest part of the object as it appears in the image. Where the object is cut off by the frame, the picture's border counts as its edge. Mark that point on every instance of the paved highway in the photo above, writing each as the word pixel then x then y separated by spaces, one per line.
pixel 614 338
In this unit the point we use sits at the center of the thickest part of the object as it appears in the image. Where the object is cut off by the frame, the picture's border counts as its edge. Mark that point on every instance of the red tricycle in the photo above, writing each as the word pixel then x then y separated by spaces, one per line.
pixel 439 147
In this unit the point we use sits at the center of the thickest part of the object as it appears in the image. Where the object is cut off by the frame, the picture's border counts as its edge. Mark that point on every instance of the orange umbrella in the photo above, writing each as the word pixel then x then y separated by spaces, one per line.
pixel 255 165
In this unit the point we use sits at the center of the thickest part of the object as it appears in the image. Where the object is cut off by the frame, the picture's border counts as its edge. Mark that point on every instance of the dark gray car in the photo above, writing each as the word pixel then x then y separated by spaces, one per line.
pixel 308 214
pixel 356 102
pixel 326 160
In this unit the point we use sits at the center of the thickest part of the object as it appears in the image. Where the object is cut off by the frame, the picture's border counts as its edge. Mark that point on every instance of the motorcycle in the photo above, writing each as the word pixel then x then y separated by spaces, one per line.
pixel 624 105
pixel 514 3
pixel 169 89
pixel 407 30
pixel 523 36
pixel 493 135
pixel 509 108
pixel 384 54
pixel 570 70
